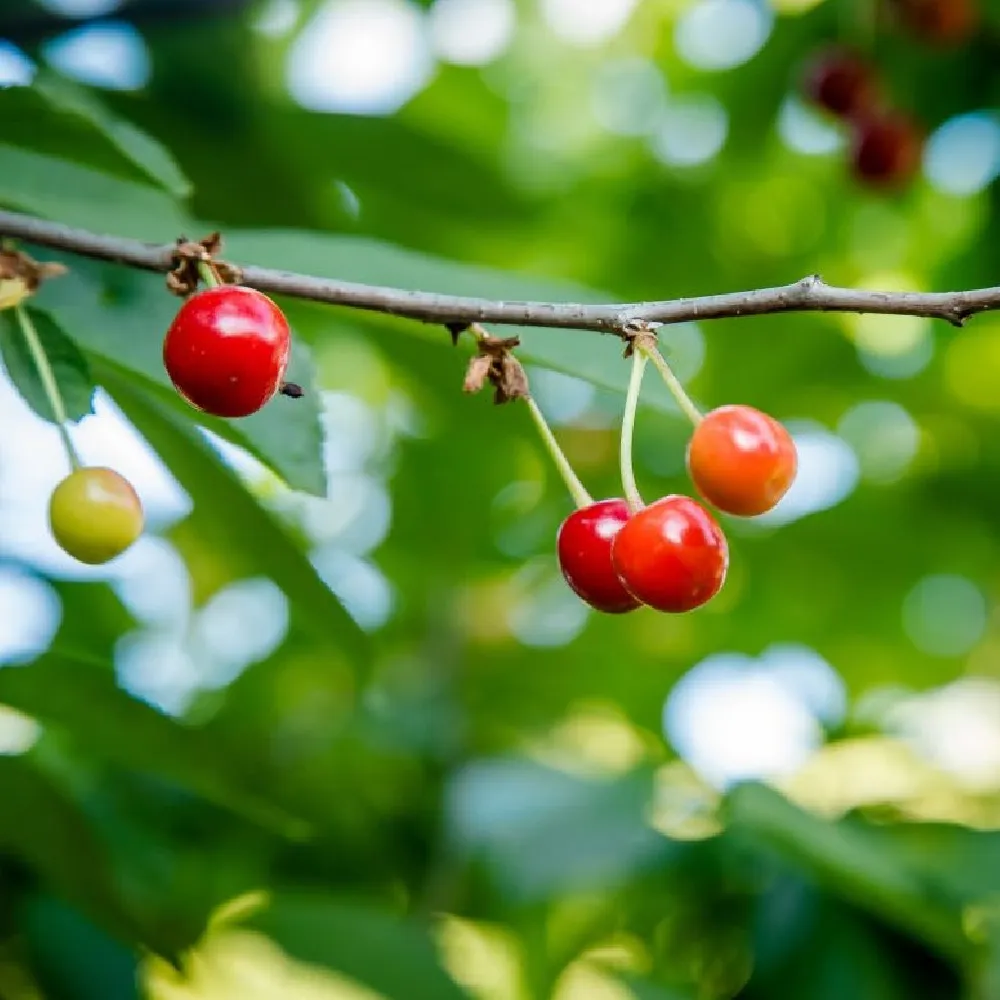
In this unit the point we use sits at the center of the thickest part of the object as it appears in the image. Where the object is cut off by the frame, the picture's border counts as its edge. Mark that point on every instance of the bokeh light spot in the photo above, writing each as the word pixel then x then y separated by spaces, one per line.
pixel 472 32
pixel 108 54
pixel 587 23
pixel 807 131
pixel 692 130
pixel 31 613
pixel 734 718
pixel 945 615
pixel 363 57
pixel 884 437
pixel 80 8
pixel 16 69
pixel 722 34
pixel 963 156
pixel 628 96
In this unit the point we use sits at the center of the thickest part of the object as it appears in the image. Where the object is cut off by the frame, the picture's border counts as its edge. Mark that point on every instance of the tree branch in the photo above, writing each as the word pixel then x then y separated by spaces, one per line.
pixel 810 294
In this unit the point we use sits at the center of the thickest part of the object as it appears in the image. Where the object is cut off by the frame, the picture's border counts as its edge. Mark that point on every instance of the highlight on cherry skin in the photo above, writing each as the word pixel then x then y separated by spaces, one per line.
pixel 227 350
pixel 95 515
pixel 741 460
pixel 583 545
pixel 671 555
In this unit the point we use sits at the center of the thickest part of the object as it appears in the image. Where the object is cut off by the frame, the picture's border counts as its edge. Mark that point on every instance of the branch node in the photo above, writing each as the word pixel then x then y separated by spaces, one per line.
pixel 638 333
pixel 494 363
pixel 20 276
pixel 182 278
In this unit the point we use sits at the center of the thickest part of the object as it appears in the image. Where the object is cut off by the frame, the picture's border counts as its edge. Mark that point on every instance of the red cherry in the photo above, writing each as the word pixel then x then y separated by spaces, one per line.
pixel 671 555
pixel 227 350
pixel 841 81
pixel 741 460
pixel 584 547
pixel 886 150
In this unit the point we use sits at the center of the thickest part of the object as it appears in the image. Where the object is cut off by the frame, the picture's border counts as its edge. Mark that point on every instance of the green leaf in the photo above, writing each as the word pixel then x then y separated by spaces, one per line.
pixel 234 526
pixel 646 989
pixel 77 695
pixel 389 955
pixel 72 958
pixel 80 196
pixel 852 864
pixel 45 830
pixel 119 318
pixel 545 831
pixel 68 364
pixel 56 116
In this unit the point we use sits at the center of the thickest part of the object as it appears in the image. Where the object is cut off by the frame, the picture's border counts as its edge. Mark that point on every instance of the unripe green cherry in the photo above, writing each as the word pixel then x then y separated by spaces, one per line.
pixel 95 515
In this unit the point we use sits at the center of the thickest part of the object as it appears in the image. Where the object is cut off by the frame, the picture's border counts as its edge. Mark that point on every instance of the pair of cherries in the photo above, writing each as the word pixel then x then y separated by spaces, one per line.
pixel 886 143
pixel 672 555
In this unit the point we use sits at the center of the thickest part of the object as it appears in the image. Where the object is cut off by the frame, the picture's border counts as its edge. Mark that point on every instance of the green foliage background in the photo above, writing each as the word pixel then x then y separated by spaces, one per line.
pixel 433 808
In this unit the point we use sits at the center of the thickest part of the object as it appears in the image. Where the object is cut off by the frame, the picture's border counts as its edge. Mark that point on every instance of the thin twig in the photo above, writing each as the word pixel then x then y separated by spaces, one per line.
pixel 810 294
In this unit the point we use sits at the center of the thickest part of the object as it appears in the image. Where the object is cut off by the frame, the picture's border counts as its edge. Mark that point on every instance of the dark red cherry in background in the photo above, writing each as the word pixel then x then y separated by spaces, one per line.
pixel 841 81
pixel 671 555
pixel 583 545
pixel 886 150
pixel 227 350
pixel 741 460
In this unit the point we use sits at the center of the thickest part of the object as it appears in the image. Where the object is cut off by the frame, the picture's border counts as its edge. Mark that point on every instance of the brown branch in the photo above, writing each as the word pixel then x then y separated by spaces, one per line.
pixel 810 294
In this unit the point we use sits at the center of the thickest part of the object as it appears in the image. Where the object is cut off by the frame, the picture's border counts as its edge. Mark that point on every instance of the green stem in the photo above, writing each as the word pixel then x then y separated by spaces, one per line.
pixel 577 490
pixel 207 274
pixel 673 383
pixel 632 496
pixel 48 380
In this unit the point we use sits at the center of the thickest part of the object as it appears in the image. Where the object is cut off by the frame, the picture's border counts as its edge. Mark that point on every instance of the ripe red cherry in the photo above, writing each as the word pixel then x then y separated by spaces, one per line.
pixel 841 81
pixel 741 460
pixel 671 555
pixel 886 150
pixel 227 350
pixel 584 548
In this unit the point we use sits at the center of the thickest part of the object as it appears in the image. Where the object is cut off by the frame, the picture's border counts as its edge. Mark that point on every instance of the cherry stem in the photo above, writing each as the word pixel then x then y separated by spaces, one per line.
pixel 207 274
pixel 632 495
pixel 576 489
pixel 48 379
pixel 673 383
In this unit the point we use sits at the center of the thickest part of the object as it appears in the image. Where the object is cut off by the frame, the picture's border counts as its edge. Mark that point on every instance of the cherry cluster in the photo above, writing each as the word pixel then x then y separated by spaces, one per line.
pixel 226 353
pixel 672 555
pixel 886 142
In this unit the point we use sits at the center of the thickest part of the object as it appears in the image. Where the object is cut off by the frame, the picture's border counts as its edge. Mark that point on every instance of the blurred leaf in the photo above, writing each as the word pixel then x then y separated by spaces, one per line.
pixel 545 831
pixel 119 319
pixel 44 830
pixel 74 960
pixel 79 697
pixel 79 196
pixel 67 362
pixel 645 989
pixel 851 863
pixel 57 116
pixel 242 531
pixel 389 955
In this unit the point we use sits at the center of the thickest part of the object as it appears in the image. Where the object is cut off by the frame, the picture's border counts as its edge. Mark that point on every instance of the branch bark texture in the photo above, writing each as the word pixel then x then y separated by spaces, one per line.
pixel 810 294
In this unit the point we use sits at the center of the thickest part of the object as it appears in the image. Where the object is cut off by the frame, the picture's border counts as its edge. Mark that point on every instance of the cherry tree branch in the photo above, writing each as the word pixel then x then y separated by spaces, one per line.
pixel 810 294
